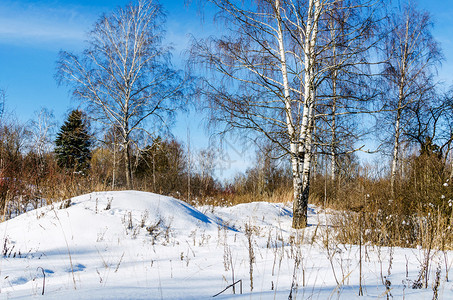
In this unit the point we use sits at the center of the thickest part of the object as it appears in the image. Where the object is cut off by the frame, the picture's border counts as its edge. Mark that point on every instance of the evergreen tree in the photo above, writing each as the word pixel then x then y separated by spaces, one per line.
pixel 73 143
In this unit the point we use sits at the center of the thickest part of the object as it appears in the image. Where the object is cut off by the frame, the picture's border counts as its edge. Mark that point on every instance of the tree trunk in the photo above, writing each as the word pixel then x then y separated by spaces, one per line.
pixel 306 167
pixel 305 161
pixel 396 145
pixel 450 181
pixel 305 147
pixel 114 165
pixel 334 75
pixel 299 206
pixel 127 165
pixel 333 152
pixel 399 110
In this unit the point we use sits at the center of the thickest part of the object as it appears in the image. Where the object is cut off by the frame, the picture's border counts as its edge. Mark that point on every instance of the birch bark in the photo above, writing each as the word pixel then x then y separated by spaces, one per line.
pixel 307 125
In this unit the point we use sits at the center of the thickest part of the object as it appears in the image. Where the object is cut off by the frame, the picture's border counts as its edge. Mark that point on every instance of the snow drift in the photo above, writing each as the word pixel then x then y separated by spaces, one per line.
pixel 136 245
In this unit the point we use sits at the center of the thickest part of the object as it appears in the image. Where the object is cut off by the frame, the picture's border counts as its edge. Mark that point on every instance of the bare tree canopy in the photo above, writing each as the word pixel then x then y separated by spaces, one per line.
pixel 412 55
pixel 265 75
pixel 124 77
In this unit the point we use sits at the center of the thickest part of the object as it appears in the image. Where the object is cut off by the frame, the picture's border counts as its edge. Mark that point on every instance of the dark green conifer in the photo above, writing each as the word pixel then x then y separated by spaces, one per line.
pixel 73 143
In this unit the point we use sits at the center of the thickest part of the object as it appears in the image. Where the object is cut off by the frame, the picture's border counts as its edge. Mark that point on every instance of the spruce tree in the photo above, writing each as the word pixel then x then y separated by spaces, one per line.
pixel 73 143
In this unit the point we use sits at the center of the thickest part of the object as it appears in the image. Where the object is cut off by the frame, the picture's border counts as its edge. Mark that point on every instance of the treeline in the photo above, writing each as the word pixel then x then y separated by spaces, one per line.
pixel 39 165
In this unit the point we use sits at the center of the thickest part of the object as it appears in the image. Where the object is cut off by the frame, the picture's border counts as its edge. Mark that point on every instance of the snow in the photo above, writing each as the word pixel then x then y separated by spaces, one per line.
pixel 136 245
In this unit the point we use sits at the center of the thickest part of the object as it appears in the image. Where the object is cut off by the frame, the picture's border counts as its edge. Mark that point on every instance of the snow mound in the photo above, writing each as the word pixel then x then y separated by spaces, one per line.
pixel 148 206
pixel 82 221
pixel 257 213
pixel 262 214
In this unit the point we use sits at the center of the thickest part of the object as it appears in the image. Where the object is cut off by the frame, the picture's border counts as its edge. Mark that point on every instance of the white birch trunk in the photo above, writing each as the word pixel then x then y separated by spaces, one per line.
pixel 396 145
pixel 127 152
pixel 400 107
pixel 396 142
pixel 305 147
pixel 298 218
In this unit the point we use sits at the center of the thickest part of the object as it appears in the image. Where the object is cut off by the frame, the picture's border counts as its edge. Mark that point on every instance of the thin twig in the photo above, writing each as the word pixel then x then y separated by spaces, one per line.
pixel 231 285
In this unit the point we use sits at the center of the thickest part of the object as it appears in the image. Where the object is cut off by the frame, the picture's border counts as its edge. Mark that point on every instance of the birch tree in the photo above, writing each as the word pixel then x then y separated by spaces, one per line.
pixel 249 87
pixel 264 76
pixel 124 77
pixel 346 90
pixel 412 55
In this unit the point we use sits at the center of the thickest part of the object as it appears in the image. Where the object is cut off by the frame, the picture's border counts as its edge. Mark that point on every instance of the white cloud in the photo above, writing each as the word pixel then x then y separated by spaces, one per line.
pixel 42 25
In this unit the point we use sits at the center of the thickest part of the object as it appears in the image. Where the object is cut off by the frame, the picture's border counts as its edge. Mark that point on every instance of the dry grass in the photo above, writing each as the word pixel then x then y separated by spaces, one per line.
pixel 418 214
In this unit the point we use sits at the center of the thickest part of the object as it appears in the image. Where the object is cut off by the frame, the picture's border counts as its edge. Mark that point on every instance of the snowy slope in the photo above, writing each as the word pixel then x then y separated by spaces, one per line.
pixel 136 245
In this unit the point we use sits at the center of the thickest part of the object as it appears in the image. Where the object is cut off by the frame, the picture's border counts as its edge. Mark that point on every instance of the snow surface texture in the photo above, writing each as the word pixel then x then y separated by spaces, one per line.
pixel 136 245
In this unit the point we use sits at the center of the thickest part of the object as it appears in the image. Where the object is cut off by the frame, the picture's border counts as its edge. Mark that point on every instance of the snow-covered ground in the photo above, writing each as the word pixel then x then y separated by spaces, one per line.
pixel 136 245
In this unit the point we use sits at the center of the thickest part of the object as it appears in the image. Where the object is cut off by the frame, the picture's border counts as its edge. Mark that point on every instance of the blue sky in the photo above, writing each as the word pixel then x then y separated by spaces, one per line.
pixel 441 12
pixel 33 32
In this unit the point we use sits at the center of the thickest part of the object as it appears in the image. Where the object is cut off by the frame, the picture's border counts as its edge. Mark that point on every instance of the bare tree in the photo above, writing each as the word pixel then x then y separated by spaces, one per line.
pixel 431 125
pixel 124 77
pixel 266 74
pixel 252 88
pixel 411 54
pixel 346 90
pixel 42 129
